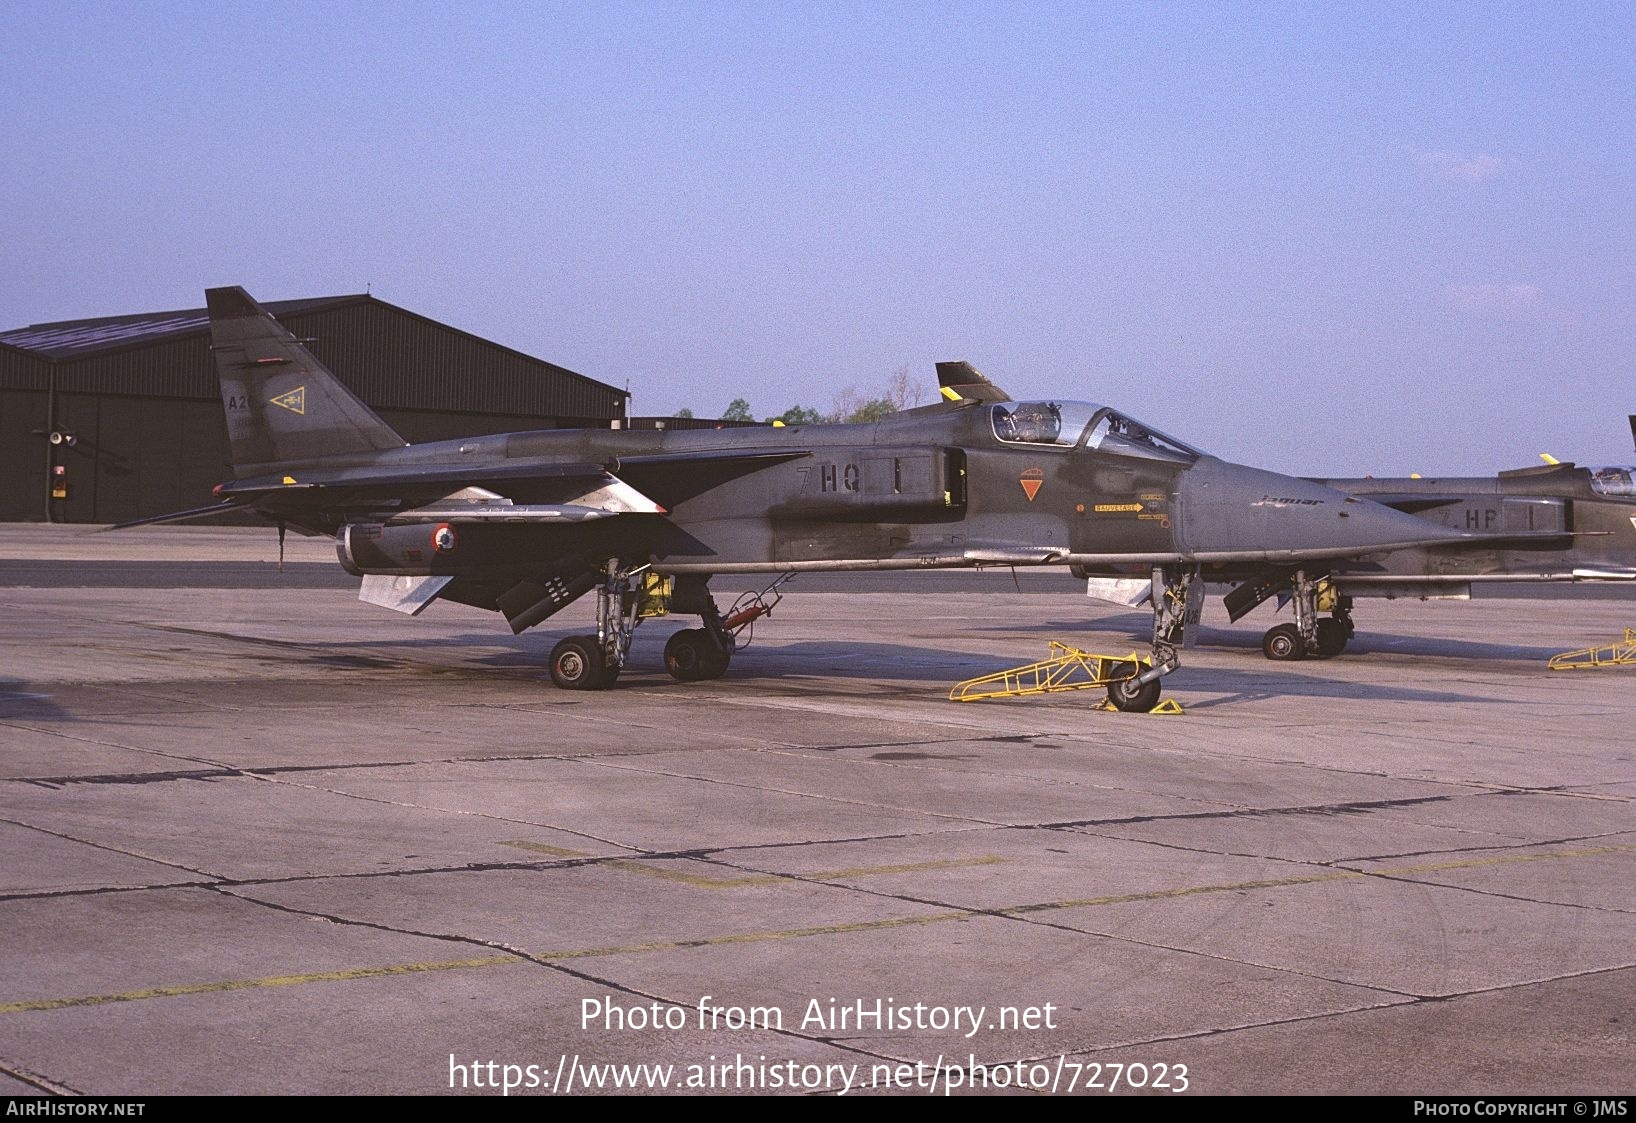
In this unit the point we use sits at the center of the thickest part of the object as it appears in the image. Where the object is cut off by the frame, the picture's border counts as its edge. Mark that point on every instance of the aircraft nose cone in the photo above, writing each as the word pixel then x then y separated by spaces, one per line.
pixel 1230 508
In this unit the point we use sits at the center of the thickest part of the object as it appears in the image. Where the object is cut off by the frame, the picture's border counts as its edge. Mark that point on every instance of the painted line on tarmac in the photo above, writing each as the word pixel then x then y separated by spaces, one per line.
pixel 258 984
pixel 699 881
pixel 702 882
pixel 790 933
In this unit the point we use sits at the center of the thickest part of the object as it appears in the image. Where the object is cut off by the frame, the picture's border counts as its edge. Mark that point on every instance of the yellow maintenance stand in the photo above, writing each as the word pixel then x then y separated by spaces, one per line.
pixel 1607 655
pixel 1069 668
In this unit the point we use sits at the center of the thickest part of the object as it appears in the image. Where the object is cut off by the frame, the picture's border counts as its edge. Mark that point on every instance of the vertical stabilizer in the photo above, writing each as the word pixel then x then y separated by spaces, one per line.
pixel 282 404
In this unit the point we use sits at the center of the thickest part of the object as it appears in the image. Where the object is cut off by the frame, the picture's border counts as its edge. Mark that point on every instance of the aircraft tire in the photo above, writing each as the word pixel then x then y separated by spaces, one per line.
pixel 577 664
pixel 691 656
pixel 1332 637
pixel 715 664
pixel 1283 644
pixel 1128 697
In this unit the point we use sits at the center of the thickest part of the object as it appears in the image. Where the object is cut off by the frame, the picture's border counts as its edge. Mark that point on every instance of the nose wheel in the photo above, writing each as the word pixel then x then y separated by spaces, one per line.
pixel 1173 588
pixel 1131 696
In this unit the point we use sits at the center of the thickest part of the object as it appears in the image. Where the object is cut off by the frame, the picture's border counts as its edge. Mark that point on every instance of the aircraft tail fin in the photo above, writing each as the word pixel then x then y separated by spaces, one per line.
pixel 283 405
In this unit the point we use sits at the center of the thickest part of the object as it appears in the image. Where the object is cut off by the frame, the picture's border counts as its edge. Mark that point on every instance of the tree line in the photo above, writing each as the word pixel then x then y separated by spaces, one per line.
pixel 901 392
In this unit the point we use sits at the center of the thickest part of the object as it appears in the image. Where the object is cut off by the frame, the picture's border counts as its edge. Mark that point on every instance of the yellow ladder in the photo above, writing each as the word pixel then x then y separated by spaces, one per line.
pixel 1068 669
pixel 1607 655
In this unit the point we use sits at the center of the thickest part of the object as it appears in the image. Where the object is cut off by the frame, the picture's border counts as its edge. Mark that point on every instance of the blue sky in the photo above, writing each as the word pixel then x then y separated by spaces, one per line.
pixel 1321 239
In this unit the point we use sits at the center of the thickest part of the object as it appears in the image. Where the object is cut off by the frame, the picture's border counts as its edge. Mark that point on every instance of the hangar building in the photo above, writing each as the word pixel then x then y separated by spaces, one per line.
pixel 134 400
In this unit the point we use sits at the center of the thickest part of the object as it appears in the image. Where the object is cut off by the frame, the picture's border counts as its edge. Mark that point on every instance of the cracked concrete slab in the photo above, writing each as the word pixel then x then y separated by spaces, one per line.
pixel 66 949
pixel 1597 875
pixel 1042 870
pixel 59 751
pixel 381 1036
pixel 1397 935
pixel 11 1086
pixel 1104 991
pixel 627 807
pixel 33 861
pixel 1526 816
pixel 1079 759
pixel 820 823
pixel 1544 1039
pixel 654 904
pixel 1331 834
pixel 222 827
pixel 1005 800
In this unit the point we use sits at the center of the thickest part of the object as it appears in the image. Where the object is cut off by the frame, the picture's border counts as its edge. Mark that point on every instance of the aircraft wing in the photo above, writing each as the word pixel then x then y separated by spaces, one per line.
pixel 1250 556
pixel 1413 504
pixel 567 500
pixel 1605 573
pixel 668 479
pixel 674 478
pixel 222 508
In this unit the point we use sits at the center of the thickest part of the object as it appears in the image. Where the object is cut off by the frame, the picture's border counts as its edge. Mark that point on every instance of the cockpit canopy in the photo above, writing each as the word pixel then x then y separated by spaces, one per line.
pixel 1064 424
pixel 1614 481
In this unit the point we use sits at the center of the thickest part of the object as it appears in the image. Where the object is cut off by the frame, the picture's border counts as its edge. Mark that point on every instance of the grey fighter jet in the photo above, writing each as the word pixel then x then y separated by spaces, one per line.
pixel 526 523
pixel 1552 523
pixel 1573 523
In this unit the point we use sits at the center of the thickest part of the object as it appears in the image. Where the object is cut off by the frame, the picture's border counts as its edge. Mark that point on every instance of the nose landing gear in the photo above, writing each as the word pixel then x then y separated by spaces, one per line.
pixel 1176 602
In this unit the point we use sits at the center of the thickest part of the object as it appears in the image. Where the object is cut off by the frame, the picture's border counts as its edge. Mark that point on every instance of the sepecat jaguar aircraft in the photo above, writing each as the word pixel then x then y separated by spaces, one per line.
pixel 526 523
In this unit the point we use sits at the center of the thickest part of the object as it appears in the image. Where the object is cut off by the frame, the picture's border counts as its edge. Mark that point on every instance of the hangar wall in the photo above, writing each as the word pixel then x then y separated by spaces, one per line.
pixel 139 394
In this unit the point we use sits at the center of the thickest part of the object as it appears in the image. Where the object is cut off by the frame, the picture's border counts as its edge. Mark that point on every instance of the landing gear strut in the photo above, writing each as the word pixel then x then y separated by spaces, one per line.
pixel 695 654
pixel 1171 588
pixel 594 662
pixel 1310 637
pixel 630 594
pixel 1334 633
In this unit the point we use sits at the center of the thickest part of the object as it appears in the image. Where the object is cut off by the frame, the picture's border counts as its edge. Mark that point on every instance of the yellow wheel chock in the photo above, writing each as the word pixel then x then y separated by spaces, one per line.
pixel 1607 655
pixel 1068 668
pixel 1166 706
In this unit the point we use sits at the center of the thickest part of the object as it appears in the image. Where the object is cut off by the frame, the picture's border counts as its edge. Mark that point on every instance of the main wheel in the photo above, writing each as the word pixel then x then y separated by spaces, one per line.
pixel 1332 637
pixel 1283 643
pixel 715 662
pixel 1130 696
pixel 577 664
pixel 692 656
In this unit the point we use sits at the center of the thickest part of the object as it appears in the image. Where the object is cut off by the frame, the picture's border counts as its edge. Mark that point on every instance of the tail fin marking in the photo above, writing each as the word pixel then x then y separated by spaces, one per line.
pixel 283 405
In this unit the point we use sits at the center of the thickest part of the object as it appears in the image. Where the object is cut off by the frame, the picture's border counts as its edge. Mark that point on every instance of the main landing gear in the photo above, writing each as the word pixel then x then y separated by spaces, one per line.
pixel 629 595
pixel 1311 636
pixel 1175 606
pixel 593 662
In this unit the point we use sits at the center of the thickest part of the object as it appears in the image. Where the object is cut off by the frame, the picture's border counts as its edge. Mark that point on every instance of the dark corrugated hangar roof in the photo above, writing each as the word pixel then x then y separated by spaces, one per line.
pixel 68 339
